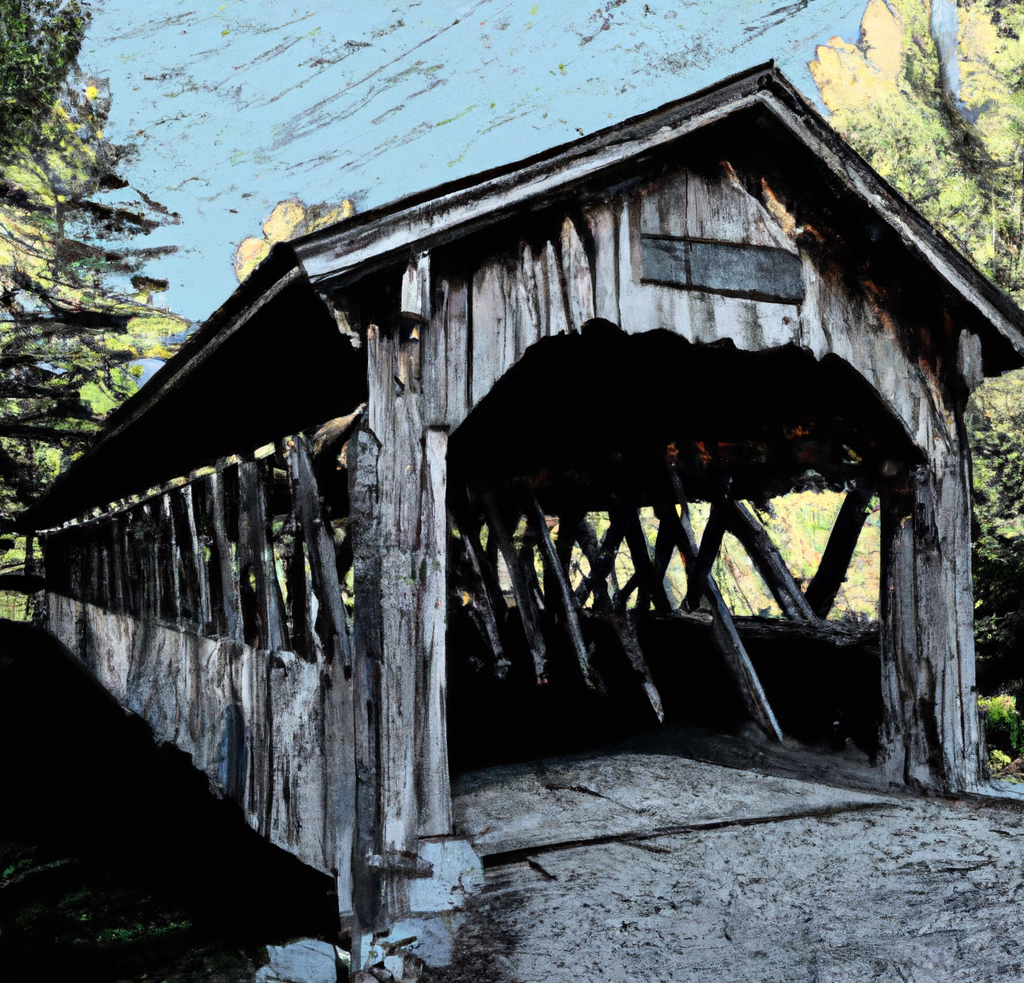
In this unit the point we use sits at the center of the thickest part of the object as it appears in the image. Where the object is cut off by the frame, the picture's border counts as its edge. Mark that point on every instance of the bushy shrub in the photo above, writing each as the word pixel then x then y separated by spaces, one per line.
pixel 997 762
pixel 1003 726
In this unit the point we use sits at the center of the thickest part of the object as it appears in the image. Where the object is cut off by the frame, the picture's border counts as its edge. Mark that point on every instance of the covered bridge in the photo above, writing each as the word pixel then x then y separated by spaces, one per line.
pixel 412 492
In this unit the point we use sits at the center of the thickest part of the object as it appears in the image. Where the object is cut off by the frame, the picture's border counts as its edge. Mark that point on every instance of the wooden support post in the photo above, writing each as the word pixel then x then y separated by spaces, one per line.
pixel 572 621
pixel 835 561
pixel 400 530
pixel 259 555
pixel 723 629
pixel 758 544
pixel 364 528
pixel 929 734
pixel 434 782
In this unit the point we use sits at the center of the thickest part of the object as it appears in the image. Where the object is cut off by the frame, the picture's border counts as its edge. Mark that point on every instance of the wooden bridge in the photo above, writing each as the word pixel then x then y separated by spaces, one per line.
pixel 411 494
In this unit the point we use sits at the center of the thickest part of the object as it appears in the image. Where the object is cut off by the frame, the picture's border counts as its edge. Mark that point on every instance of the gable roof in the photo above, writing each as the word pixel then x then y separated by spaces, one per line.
pixel 139 446
pixel 343 252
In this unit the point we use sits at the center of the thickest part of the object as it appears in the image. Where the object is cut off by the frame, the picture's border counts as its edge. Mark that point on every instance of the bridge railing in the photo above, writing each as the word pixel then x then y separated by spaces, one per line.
pixel 246 550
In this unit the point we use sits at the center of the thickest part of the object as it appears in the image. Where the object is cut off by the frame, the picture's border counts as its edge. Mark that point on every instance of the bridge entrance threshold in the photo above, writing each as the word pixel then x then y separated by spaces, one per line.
pixel 668 781
pixel 685 855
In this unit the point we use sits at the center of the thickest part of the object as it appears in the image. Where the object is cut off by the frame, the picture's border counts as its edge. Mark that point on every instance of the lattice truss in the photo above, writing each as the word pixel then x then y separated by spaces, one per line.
pixel 512 560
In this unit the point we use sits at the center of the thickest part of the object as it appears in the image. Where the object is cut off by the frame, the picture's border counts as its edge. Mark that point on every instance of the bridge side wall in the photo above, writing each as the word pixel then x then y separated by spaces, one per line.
pixel 215 610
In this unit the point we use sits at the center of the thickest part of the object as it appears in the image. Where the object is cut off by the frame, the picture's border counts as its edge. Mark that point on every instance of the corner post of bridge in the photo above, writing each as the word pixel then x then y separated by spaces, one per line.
pixel 399 525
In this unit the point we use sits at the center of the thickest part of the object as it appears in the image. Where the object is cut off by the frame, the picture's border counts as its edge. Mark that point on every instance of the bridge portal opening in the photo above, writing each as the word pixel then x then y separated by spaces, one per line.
pixel 646 530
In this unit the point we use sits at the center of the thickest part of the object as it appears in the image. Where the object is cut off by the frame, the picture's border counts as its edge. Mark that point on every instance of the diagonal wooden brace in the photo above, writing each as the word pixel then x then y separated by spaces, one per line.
pixel 723 628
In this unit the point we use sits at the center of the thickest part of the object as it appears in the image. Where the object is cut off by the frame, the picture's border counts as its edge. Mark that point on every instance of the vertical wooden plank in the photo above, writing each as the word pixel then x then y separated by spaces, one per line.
pixel 188 586
pixel 459 346
pixel 129 586
pixel 494 328
pixel 203 607
pixel 256 558
pixel 435 798
pixel 527 301
pixel 380 372
pixel 231 610
pixel 113 533
pixel 364 528
pixel 415 298
pixel 300 590
pixel 173 558
pixel 558 318
pixel 399 476
pixel 434 365
pixel 601 222
pixel 445 355
pixel 579 284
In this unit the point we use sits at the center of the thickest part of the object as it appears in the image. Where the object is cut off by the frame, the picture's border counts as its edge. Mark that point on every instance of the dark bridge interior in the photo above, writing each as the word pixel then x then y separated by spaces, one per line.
pixel 562 631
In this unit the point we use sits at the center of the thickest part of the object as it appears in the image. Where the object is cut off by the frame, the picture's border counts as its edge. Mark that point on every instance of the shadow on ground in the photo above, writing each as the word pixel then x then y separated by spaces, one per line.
pixel 115 861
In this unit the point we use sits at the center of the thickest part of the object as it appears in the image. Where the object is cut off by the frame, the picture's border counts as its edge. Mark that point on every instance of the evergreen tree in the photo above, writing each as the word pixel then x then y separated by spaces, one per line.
pixel 76 307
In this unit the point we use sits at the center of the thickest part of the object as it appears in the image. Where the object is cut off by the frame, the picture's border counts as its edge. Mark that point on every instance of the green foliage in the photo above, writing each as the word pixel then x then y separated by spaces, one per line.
pixel 995 426
pixel 997 761
pixel 1003 725
pixel 956 156
pixel 39 41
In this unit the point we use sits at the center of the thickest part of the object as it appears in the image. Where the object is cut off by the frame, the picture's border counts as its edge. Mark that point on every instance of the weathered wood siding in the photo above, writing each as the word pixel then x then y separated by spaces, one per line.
pixel 221 621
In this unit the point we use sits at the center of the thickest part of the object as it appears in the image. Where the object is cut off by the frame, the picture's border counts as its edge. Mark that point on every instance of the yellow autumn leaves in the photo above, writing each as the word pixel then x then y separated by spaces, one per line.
pixel 289 220
pixel 961 166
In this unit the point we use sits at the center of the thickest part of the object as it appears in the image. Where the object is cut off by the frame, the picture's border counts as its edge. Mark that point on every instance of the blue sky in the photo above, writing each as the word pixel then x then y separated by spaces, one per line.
pixel 232 107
